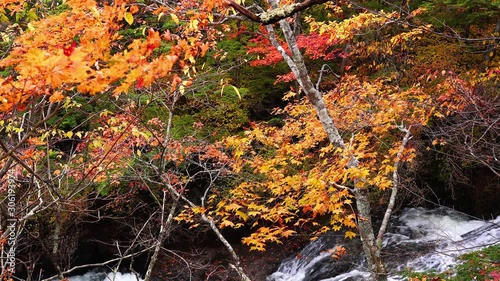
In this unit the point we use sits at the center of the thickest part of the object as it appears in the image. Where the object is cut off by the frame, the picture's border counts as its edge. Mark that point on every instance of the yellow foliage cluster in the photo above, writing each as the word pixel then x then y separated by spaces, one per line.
pixel 346 30
pixel 301 181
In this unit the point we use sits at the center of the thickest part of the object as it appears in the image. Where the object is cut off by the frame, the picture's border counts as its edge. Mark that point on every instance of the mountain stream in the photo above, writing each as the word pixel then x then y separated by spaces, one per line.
pixel 418 239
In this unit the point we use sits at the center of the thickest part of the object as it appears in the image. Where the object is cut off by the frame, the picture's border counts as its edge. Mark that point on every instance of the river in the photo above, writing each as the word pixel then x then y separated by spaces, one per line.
pixel 418 239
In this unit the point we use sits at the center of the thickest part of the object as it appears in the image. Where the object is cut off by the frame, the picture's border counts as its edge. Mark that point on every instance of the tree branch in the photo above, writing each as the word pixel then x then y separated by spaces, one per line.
pixel 395 185
pixel 274 15
pixel 98 264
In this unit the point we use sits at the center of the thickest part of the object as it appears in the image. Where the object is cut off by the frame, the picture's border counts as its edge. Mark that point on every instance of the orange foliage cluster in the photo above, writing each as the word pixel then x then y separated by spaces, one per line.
pixel 301 177
pixel 49 59
pixel 122 138
pixel 294 177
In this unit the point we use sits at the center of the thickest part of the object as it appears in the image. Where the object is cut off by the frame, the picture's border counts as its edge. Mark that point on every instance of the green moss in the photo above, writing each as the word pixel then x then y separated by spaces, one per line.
pixel 168 25
pixel 57 9
pixel 482 265
pixel 182 125
pixel 8 70
pixel 479 265
pixel 227 114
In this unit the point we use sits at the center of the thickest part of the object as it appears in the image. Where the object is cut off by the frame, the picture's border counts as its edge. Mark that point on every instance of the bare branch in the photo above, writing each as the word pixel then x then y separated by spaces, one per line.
pixel 276 14
pixel 395 185
pixel 98 264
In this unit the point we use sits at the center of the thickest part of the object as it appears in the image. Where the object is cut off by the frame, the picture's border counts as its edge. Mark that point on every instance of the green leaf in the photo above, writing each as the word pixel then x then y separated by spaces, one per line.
pixel 234 88
pixel 237 91
pixel 128 17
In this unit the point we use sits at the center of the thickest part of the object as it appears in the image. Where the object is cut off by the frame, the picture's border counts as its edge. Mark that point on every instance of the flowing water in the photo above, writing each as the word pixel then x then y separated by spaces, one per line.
pixel 103 276
pixel 419 239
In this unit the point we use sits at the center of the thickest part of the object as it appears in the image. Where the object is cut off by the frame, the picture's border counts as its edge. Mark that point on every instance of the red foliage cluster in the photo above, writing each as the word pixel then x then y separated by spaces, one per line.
pixel 260 45
pixel 317 46
pixel 314 45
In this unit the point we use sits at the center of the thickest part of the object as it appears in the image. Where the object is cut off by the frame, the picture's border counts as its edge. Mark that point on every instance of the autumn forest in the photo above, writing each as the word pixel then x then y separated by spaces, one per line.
pixel 134 130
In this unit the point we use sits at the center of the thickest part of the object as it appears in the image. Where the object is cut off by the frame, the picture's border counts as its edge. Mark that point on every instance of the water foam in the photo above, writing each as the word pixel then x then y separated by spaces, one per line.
pixel 432 240
pixel 452 234
pixel 101 276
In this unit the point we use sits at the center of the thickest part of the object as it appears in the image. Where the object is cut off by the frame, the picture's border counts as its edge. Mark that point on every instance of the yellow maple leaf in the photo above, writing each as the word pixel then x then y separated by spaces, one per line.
pixel 350 234
pixel 232 207
pixel 226 223
pixel 242 215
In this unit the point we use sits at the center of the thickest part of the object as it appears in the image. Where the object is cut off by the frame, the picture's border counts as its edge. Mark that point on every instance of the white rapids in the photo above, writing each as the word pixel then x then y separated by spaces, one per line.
pixel 445 234
pixel 110 276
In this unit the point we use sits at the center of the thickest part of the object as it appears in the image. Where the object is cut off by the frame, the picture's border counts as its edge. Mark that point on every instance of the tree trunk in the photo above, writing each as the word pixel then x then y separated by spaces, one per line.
pixel 164 230
pixel 367 235
pixel 237 264
pixel 299 69
pixel 165 224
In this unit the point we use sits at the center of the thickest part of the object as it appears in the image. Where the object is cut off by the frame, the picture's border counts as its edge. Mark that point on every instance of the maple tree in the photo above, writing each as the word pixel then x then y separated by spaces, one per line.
pixel 90 90
pixel 48 74
pixel 341 34
pixel 94 57
pixel 48 68
pixel 301 178
pixel 120 158
pixel 350 161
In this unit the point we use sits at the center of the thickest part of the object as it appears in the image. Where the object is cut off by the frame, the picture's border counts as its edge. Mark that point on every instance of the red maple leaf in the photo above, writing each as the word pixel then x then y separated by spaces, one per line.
pixel 496 275
pixel 68 51
pixel 140 83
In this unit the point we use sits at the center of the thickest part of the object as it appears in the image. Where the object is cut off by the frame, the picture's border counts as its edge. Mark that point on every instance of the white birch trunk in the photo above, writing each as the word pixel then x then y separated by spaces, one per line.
pixel 299 69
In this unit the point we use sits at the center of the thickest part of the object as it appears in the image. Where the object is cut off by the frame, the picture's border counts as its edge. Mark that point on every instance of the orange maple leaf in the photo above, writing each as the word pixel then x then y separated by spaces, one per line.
pixel 56 97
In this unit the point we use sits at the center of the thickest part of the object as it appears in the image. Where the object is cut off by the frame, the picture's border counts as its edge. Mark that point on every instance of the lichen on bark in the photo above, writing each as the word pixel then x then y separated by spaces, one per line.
pixel 278 13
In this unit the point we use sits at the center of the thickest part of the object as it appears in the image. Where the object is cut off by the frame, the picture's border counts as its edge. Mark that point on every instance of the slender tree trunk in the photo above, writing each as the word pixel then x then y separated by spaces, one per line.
pixel 164 230
pixel 395 186
pixel 165 224
pixel 297 26
pixel 57 231
pixel 299 69
pixel 237 264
